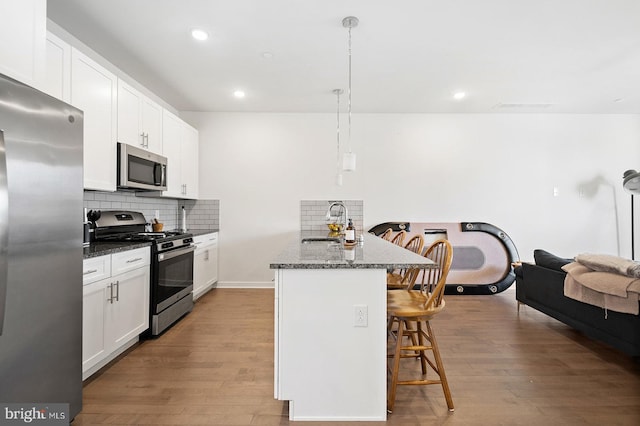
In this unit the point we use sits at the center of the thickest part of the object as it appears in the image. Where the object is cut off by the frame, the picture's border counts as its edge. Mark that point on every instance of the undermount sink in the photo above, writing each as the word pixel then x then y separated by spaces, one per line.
pixel 320 240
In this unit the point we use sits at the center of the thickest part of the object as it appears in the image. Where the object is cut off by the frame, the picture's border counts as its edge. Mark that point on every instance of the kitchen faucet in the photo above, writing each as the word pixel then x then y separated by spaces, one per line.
pixel 342 207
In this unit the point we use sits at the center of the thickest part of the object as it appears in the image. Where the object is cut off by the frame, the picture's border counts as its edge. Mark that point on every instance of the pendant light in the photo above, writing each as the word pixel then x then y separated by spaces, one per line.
pixel 349 158
pixel 338 92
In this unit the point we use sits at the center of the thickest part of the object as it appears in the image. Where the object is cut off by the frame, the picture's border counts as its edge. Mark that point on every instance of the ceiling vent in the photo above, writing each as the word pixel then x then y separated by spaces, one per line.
pixel 515 105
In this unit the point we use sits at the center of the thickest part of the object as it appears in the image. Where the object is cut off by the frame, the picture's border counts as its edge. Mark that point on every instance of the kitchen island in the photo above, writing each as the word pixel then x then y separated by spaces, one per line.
pixel 330 327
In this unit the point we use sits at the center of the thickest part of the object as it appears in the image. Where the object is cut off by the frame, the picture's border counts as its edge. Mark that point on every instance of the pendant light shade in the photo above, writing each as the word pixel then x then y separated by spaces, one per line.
pixel 349 158
pixel 349 162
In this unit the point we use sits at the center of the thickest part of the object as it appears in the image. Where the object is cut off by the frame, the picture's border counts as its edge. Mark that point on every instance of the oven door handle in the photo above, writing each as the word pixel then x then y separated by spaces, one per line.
pixel 175 253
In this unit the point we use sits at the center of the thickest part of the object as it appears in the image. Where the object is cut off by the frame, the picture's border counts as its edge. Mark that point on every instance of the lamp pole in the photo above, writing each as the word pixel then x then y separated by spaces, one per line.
pixel 633 245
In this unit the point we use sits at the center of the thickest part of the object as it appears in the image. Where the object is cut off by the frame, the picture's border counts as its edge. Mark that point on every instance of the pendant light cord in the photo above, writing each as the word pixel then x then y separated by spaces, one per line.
pixel 337 92
pixel 349 104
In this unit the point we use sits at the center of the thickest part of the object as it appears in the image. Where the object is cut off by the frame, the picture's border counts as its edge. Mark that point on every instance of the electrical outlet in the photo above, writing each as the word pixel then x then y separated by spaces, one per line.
pixel 360 316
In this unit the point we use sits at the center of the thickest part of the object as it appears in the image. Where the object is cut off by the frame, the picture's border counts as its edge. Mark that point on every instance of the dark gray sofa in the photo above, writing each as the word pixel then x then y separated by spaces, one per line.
pixel 541 286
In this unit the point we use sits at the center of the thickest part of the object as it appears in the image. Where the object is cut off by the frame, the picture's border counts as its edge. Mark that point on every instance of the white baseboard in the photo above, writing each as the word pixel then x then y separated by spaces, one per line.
pixel 86 373
pixel 245 284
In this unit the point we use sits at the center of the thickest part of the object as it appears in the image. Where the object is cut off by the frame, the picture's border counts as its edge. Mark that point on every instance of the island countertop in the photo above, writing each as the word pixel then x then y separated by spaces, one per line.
pixel 372 253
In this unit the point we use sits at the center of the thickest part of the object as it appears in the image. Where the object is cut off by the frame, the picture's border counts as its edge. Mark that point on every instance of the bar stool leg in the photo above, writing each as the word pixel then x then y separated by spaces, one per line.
pixel 440 365
pixel 391 397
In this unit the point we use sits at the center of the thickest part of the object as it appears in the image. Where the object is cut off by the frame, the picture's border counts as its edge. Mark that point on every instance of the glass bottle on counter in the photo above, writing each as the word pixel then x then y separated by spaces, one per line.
pixel 350 233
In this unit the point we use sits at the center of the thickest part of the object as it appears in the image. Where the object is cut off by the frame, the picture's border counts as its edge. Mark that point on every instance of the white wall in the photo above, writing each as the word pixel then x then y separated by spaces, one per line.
pixel 500 169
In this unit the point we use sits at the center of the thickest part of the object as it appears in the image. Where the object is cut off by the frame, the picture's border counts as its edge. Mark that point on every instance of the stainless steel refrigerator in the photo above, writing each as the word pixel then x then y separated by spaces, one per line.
pixel 41 195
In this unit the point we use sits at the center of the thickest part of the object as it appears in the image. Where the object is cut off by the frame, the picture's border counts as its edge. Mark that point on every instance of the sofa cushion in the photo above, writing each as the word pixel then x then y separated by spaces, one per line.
pixel 548 260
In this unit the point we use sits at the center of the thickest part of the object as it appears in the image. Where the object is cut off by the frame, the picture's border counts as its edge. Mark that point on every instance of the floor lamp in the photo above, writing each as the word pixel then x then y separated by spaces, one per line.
pixel 631 184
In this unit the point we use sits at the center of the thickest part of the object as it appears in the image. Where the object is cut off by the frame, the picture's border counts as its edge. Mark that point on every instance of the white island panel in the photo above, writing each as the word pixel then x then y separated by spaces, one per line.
pixel 328 368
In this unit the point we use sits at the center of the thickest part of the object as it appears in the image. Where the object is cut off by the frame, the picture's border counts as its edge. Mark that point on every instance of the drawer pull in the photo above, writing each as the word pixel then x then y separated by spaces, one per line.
pixel 110 299
pixel 134 260
pixel 90 271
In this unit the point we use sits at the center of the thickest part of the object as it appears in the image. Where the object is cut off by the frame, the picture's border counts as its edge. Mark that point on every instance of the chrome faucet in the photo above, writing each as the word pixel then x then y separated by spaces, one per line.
pixel 342 208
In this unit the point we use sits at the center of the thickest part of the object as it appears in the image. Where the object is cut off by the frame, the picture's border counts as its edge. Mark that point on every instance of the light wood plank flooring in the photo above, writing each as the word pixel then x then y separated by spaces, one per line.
pixel 215 367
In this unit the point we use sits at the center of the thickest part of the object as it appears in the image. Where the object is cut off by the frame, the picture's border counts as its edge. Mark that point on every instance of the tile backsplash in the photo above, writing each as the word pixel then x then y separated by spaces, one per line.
pixel 201 214
pixel 313 214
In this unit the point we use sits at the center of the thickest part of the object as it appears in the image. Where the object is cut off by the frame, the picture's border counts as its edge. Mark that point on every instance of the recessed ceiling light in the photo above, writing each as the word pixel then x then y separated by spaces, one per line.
pixel 459 95
pixel 239 94
pixel 618 100
pixel 267 55
pixel 200 35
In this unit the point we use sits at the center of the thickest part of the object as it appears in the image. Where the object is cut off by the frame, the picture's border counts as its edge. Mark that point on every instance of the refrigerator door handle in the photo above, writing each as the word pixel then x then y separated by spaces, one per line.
pixel 4 228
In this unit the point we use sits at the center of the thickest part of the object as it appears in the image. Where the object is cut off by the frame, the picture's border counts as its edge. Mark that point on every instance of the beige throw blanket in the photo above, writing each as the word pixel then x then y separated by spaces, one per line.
pixel 609 263
pixel 608 290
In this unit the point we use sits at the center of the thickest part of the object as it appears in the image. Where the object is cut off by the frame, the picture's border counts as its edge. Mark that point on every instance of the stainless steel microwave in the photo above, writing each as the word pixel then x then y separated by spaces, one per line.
pixel 141 170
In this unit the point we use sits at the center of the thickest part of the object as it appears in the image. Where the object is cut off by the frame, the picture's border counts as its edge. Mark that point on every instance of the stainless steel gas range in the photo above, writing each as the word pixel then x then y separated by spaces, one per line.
pixel 171 263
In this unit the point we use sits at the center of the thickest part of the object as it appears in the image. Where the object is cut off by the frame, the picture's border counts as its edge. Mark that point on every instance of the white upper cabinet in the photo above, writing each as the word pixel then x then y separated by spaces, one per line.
pixel 57 79
pixel 22 40
pixel 189 159
pixel 94 90
pixel 172 138
pixel 180 146
pixel 139 119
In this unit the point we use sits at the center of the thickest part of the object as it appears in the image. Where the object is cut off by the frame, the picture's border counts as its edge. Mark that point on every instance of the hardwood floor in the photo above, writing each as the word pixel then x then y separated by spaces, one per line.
pixel 215 367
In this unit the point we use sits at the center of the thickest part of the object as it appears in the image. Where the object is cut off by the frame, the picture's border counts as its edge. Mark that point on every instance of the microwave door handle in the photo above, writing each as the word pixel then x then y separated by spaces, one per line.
pixel 4 228
pixel 158 169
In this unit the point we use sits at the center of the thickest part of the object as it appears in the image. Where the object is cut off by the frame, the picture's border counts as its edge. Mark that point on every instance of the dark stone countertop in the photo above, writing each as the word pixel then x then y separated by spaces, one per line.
pixel 372 253
pixel 99 248
pixel 102 249
pixel 198 232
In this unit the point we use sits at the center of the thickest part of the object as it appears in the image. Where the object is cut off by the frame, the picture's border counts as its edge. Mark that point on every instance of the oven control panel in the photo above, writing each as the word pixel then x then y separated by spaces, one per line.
pixel 168 245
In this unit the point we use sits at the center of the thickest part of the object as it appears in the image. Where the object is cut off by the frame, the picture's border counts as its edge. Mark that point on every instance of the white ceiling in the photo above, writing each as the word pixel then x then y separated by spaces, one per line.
pixel 568 56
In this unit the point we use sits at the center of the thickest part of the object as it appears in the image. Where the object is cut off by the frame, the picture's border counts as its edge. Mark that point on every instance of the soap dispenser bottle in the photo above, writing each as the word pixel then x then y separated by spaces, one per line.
pixel 350 233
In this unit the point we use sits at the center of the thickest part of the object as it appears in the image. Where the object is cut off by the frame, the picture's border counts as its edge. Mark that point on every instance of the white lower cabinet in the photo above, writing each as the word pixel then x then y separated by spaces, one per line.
pixel 205 263
pixel 116 308
pixel 93 338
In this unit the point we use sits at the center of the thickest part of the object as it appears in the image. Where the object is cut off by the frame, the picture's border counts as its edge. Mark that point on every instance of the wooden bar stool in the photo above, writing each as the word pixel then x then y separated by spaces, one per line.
pixel 411 311
pixel 396 279
pixel 386 235
pixel 398 239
